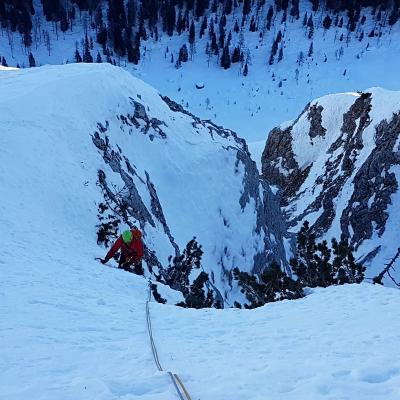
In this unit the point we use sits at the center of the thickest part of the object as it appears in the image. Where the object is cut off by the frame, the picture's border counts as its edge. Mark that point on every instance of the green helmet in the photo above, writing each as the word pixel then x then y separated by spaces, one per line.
pixel 127 236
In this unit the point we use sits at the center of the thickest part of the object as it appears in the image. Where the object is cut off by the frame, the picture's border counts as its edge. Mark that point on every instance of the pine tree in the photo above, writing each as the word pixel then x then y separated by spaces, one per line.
pixel 280 54
pixel 311 50
pixel 272 285
pixel 313 265
pixel 98 58
pixel 214 45
pixel 245 70
pixel 177 274
pixel 236 55
pixel 315 5
pixel 310 25
pixel 64 24
pixel 78 57
pixel 32 62
pixel 295 11
pixel 394 16
pixel 136 49
pixel 236 27
pixel 102 36
pixel 226 58
pixel 246 7
pixel 228 7
pixel 201 6
pixel 305 19
pixel 270 14
pixel 192 33
pixel 179 23
pixel 203 27
pixel 183 54
pixel 87 56
pixel 253 26
pixel 345 268
pixel 221 40
pixel 197 298
pixel 327 22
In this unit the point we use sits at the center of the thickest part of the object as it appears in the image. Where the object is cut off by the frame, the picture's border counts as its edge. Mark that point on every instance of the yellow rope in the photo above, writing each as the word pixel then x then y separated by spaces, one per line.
pixel 174 377
pixel 183 387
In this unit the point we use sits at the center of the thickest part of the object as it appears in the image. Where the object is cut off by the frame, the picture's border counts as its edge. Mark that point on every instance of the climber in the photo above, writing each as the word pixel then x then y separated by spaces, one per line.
pixel 131 246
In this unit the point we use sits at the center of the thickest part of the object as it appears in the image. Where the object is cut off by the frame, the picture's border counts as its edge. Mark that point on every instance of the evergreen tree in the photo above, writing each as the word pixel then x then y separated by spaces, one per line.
pixel 345 268
pixel 270 14
pixel 201 6
pixel 136 49
pixel 311 50
pixel 183 54
pixel 98 58
pixel 310 25
pixel 179 23
pixel 272 285
pixel 221 40
pixel 228 7
pixel 203 27
pixel 236 27
pixel 197 297
pixel 64 24
pixel 226 58
pixel 246 7
pixel 315 5
pixel 327 22
pixel 32 62
pixel 236 55
pixel 169 19
pixel 87 56
pixel 102 36
pixel 245 70
pixel 394 16
pixel 280 54
pixel 214 45
pixel 313 265
pixel 177 274
pixel 253 26
pixel 305 19
pixel 192 33
pixel 78 57
pixel 295 11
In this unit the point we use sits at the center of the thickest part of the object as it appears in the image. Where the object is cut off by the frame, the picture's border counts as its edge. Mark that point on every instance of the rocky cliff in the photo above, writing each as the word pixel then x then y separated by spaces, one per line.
pixel 337 166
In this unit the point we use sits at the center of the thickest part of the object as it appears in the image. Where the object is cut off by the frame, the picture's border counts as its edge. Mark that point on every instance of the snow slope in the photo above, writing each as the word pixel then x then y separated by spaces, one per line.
pixel 70 329
pixel 338 167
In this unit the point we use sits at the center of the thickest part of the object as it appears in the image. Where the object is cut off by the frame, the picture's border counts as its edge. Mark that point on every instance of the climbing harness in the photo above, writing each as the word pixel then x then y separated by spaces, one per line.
pixel 180 388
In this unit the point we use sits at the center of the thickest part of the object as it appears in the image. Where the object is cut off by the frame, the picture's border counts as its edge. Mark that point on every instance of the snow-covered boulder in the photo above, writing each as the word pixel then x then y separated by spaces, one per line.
pixel 337 166
pixel 72 134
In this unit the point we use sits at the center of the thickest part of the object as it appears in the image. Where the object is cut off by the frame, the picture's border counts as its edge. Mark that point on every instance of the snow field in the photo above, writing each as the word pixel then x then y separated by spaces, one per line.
pixel 337 343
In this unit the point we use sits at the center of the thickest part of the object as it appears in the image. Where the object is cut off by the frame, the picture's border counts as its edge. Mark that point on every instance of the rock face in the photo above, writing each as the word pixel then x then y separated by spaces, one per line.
pixel 337 166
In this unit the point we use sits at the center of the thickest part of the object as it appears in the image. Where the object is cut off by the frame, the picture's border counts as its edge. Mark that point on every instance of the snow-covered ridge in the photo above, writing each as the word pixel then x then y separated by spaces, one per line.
pixel 71 133
pixel 338 168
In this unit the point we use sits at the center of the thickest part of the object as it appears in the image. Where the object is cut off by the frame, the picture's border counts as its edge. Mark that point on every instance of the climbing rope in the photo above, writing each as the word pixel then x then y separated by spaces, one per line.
pixel 180 388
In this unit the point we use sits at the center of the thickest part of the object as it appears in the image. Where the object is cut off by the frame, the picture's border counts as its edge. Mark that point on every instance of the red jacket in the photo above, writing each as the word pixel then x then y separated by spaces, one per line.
pixel 132 251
